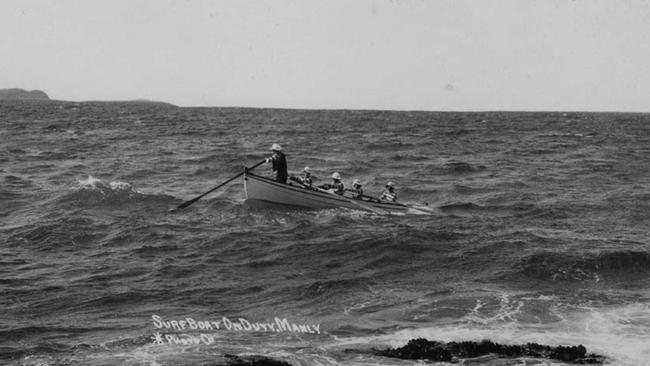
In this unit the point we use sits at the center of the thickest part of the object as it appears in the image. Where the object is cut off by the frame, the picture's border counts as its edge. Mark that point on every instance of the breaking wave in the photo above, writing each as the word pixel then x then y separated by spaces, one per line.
pixel 97 192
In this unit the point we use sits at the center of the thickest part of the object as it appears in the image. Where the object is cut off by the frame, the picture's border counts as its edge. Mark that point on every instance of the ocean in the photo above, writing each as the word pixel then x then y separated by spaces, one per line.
pixel 541 233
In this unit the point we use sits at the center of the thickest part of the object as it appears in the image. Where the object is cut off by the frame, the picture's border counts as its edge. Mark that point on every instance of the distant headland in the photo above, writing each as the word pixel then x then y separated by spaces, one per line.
pixel 22 94
pixel 37 95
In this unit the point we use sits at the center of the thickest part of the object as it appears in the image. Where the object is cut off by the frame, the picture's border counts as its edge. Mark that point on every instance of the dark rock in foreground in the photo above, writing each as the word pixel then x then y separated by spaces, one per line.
pixel 21 94
pixel 422 349
pixel 254 361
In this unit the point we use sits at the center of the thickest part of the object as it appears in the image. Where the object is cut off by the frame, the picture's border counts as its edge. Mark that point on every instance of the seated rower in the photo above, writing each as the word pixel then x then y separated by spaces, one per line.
pixel 336 186
pixel 389 194
pixel 305 177
pixel 356 190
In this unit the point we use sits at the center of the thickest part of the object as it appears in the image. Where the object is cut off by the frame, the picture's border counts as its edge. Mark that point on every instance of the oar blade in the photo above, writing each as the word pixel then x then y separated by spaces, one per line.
pixel 184 205
pixel 188 203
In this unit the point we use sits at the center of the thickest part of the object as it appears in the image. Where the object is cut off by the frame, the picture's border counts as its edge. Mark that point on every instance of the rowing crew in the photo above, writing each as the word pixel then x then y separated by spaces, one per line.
pixel 337 186
pixel 279 161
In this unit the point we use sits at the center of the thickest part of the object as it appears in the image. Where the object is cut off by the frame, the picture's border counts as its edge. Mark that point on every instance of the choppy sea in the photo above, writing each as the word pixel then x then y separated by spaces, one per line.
pixel 541 233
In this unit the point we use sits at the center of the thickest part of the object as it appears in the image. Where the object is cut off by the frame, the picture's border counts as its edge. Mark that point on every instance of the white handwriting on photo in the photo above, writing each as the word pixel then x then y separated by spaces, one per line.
pixel 278 325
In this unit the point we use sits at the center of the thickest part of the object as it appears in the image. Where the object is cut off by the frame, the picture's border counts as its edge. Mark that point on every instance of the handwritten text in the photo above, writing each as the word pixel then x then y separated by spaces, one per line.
pixel 240 324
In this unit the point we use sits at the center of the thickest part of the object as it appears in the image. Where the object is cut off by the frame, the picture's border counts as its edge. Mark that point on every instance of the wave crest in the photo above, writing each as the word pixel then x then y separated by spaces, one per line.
pixel 93 191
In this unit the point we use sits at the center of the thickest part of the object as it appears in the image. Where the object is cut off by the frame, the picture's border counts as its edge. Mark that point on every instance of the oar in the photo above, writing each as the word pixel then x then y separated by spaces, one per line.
pixel 370 198
pixel 186 204
pixel 357 203
pixel 419 207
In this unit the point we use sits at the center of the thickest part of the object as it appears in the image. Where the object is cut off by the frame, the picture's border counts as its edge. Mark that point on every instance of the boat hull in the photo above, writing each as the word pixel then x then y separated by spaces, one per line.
pixel 268 190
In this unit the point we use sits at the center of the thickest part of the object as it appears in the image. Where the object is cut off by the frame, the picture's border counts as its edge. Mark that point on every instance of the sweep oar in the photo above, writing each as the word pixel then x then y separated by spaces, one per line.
pixel 186 204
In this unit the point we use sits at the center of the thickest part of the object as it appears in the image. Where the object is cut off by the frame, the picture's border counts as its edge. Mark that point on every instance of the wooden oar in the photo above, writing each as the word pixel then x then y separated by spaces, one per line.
pixel 370 198
pixel 186 204
pixel 419 207
pixel 356 203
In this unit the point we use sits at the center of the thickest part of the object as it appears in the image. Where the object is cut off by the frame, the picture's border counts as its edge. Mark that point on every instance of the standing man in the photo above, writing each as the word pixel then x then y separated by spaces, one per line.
pixel 279 163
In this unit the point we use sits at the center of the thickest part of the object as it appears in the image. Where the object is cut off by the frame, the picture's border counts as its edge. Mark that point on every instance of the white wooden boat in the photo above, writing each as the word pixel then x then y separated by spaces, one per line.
pixel 268 190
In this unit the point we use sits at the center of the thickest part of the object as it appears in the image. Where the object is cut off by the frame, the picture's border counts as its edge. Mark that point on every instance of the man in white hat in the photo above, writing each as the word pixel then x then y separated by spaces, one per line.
pixel 305 177
pixel 389 194
pixel 279 163
pixel 336 186
pixel 356 190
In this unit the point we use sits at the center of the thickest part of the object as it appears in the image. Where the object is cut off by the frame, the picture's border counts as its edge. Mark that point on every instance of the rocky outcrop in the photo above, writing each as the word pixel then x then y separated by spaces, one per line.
pixel 21 94
pixel 422 349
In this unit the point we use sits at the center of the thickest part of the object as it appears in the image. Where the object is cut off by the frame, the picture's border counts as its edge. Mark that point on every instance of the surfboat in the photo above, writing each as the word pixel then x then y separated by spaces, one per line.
pixel 268 190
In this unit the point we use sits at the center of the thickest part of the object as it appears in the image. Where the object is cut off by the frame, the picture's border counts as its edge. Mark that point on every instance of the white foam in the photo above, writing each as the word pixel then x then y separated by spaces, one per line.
pixel 90 182
pixel 120 186
pixel 98 184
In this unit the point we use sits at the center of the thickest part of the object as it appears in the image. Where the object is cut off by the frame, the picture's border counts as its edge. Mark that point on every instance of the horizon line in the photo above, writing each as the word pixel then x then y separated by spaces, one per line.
pixel 361 109
pixel 145 100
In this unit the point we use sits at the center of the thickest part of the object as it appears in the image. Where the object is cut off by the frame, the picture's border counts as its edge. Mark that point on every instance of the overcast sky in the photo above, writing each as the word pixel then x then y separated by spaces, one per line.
pixel 424 55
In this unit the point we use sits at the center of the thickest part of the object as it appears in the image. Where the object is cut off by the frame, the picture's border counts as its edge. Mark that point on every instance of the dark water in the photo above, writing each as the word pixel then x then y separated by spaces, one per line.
pixel 541 235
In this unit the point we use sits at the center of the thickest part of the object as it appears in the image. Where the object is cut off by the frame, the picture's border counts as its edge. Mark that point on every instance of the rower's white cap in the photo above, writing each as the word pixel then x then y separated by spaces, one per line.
pixel 276 147
pixel 356 182
pixel 336 175
pixel 390 184
pixel 306 170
